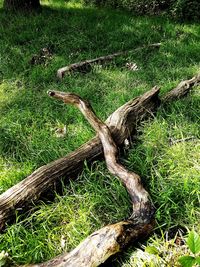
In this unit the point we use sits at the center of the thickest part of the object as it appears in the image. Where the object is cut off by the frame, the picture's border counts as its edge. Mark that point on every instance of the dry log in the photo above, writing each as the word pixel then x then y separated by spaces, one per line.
pixel 100 245
pixel 85 66
pixel 122 122
pixel 107 241
pixel 182 89
pixel 142 207
pixel 111 239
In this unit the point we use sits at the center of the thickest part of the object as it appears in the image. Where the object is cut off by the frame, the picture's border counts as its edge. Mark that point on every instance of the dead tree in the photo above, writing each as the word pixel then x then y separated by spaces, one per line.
pixel 122 123
pixel 99 246
pixel 109 240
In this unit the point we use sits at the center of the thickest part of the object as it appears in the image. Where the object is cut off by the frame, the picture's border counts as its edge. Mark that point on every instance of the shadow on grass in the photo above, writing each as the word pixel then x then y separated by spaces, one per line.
pixel 71 35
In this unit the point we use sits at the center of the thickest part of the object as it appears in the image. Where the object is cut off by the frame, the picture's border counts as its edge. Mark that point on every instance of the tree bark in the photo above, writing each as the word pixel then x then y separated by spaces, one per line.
pixel 85 66
pixel 111 239
pixel 15 5
pixel 121 123
pixel 100 245
pixel 142 207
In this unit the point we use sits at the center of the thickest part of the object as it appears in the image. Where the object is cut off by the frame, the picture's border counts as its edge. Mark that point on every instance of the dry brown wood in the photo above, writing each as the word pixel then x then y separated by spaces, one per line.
pixel 122 122
pixel 85 66
pixel 100 245
pixel 142 207
pixel 109 240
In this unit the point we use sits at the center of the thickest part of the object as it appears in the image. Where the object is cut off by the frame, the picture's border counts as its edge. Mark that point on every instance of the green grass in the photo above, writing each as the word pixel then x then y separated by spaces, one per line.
pixel 29 119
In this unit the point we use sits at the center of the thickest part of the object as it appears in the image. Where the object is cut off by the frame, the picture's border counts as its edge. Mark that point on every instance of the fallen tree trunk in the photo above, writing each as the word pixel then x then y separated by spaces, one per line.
pixel 121 123
pixel 85 66
pixel 99 246
pixel 109 240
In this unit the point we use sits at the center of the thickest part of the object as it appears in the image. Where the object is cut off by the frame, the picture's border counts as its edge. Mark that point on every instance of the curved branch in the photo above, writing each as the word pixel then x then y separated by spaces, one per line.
pixel 109 240
pixel 46 179
pixel 142 207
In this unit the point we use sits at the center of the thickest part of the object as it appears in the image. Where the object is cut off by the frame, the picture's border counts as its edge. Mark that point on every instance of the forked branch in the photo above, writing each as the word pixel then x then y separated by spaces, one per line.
pixel 142 208
pixel 109 240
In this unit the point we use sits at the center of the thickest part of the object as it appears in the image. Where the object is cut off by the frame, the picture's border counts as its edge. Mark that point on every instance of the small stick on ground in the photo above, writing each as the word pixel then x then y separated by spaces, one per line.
pixel 85 66
pixel 186 139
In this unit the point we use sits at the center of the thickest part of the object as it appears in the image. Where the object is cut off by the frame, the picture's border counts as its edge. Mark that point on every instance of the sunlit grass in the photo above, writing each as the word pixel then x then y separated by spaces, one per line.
pixel 87 204
pixel 29 120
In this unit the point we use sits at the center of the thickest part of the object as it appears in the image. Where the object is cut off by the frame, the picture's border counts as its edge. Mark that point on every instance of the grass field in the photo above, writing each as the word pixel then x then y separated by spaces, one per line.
pixel 29 119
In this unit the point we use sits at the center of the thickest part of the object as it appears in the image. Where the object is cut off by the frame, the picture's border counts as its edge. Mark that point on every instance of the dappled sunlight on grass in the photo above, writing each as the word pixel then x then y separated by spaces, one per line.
pixel 30 120
pixel 62 4
pixel 12 172
pixel 85 206
pixel 7 92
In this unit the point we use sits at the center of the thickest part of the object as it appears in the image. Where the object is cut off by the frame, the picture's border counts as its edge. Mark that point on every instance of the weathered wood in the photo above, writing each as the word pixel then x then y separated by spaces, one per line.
pixel 122 122
pixel 109 240
pixel 182 89
pixel 142 207
pixel 100 245
pixel 85 66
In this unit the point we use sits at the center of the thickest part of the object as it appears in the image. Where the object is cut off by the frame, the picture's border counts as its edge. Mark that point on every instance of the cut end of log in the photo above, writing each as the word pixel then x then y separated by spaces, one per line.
pixel 51 93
